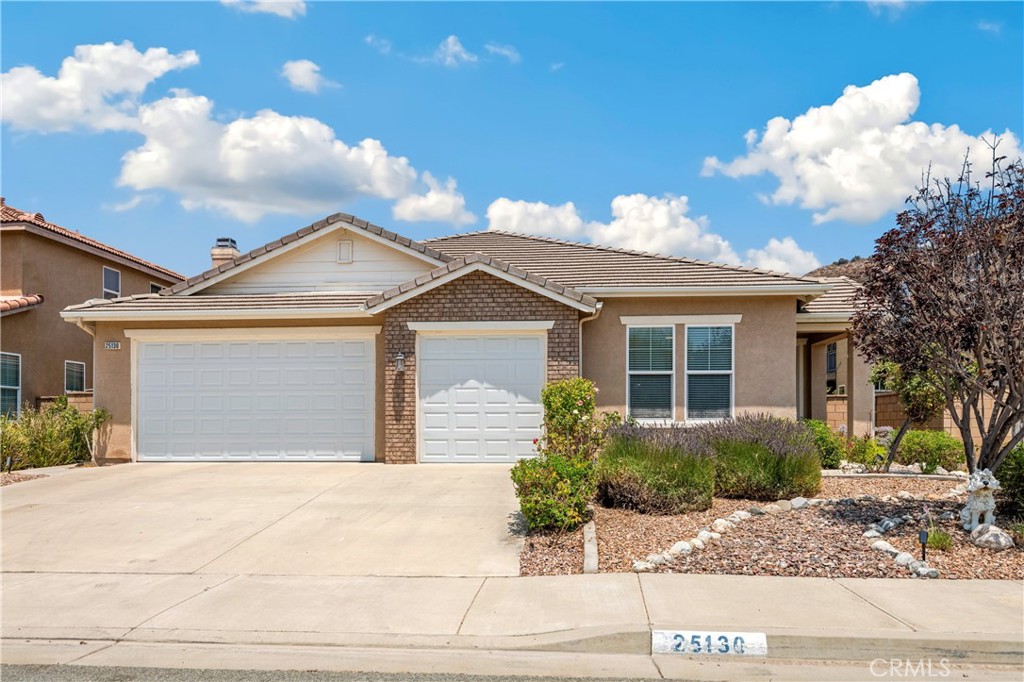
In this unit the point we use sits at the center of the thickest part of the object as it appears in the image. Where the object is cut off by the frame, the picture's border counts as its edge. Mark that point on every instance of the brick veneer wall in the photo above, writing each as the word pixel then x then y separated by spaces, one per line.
pixel 474 297
pixel 80 400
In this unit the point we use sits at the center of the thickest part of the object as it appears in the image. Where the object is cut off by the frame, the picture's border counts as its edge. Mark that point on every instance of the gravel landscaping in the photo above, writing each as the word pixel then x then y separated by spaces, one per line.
pixel 17 477
pixel 823 541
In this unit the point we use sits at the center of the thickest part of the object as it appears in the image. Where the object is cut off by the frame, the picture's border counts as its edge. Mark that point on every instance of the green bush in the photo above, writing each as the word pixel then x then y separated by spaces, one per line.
pixel 931 449
pixel 56 435
pixel 572 427
pixel 866 450
pixel 751 471
pixel 554 490
pixel 831 445
pixel 1010 475
pixel 939 539
pixel 642 470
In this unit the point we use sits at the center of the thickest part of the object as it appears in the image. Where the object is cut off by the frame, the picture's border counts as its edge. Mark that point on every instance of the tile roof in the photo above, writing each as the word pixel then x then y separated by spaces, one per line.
pixel 9 214
pixel 585 266
pixel 467 261
pixel 838 299
pixel 259 253
pixel 9 304
pixel 235 302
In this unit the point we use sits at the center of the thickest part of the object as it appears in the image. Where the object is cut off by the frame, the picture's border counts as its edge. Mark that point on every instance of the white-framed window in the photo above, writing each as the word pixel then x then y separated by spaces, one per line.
pixel 74 376
pixel 345 251
pixel 10 383
pixel 709 372
pixel 650 368
pixel 155 288
pixel 111 283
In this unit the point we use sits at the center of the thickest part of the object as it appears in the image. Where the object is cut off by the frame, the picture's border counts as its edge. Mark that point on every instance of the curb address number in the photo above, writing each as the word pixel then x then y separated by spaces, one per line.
pixel 704 643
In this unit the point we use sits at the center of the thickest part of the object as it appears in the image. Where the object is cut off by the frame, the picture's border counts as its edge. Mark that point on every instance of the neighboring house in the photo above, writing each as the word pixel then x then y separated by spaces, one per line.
pixel 44 268
pixel 344 341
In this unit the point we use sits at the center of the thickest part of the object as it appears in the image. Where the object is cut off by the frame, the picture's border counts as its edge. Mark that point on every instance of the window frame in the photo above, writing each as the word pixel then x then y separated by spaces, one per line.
pixel 155 288
pixel 17 406
pixel 831 354
pixel 73 362
pixel 671 373
pixel 103 283
pixel 687 372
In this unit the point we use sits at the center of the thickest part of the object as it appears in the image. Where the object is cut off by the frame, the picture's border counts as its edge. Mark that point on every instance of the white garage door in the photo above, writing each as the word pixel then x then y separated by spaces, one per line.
pixel 269 399
pixel 479 396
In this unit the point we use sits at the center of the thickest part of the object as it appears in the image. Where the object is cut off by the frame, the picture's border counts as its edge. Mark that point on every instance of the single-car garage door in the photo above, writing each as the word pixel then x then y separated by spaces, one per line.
pixel 262 399
pixel 479 396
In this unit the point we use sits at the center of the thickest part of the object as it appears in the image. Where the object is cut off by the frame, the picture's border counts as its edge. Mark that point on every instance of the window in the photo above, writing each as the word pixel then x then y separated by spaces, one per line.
pixel 111 283
pixel 155 288
pixel 345 251
pixel 709 373
pixel 830 358
pixel 651 368
pixel 10 383
pixel 74 376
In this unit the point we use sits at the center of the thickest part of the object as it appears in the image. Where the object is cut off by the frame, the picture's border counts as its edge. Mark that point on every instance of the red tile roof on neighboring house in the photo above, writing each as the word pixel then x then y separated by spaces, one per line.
pixel 10 304
pixel 11 215
pixel 839 299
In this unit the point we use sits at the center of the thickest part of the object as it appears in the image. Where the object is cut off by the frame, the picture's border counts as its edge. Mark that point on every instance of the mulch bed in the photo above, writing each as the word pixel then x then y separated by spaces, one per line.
pixel 821 541
pixel 17 477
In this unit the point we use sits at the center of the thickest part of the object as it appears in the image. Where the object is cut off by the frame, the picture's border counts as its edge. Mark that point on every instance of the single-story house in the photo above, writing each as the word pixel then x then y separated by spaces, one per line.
pixel 345 341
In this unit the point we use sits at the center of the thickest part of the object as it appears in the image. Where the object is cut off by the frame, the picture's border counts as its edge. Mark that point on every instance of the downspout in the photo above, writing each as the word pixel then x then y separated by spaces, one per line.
pixel 597 314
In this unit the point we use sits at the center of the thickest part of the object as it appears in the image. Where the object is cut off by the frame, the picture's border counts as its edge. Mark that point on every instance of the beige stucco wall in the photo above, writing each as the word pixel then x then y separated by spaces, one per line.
pixel 64 275
pixel 765 371
pixel 113 377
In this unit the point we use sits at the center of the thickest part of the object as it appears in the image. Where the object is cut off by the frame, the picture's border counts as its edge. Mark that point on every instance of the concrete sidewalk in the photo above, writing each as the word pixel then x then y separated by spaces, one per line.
pixel 147 619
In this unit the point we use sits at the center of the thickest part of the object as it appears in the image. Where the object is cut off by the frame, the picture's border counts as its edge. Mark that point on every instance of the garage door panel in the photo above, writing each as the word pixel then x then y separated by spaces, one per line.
pixel 265 400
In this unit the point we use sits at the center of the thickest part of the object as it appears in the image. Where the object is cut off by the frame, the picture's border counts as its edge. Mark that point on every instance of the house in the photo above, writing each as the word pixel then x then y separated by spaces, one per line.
pixel 44 268
pixel 345 341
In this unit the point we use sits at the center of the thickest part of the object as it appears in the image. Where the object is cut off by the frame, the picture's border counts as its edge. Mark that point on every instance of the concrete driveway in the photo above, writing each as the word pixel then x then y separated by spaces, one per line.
pixel 264 519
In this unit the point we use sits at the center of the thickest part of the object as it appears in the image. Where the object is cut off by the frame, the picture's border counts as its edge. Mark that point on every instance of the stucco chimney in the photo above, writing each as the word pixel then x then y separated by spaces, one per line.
pixel 224 251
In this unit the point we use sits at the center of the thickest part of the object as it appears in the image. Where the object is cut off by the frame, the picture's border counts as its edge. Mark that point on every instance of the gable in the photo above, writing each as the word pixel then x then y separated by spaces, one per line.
pixel 316 266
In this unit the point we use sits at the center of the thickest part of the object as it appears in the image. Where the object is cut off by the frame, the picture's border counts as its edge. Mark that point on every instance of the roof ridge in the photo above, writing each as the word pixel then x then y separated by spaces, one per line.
pixel 632 252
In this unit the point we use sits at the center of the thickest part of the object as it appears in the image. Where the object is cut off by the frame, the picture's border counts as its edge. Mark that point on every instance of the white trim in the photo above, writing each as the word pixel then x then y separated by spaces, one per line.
pixel 823 317
pixel 103 283
pixel 496 328
pixel 489 269
pixel 731 373
pixel 17 406
pixel 250 333
pixel 763 290
pixel 134 346
pixel 101 313
pixel 73 362
pixel 665 320
pixel 652 421
pixel 302 241
pixel 345 245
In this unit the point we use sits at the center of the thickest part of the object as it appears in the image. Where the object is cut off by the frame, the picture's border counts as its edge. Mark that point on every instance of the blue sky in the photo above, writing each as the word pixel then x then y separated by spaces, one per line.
pixel 618 123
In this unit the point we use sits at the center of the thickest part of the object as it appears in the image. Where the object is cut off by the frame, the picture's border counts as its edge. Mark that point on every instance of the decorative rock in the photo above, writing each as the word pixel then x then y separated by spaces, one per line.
pixel 883 546
pixel 642 566
pixel 871 533
pixel 875 527
pixel 904 495
pixel 715 536
pixel 704 536
pixel 756 511
pixel 947 516
pixel 888 498
pixel 991 537
pixel 733 519
pixel 885 525
pixel 784 505
pixel 867 498
pixel 742 515
pixel 681 547
pixel 798 502
pixel 655 559
pixel 772 509
pixel 939 471
pixel 904 559
pixel 815 502
pixel 721 525
pixel 697 543
pixel 926 571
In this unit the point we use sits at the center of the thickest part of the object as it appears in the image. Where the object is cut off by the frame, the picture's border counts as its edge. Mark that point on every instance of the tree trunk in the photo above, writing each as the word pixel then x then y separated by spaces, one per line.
pixel 895 444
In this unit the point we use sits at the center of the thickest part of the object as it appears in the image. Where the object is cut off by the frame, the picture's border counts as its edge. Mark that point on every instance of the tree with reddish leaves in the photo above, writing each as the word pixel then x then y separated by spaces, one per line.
pixel 944 299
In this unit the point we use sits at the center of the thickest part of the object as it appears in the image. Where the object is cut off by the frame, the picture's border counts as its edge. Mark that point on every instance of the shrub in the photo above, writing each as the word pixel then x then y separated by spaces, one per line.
pixel 553 490
pixel 939 539
pixel 647 470
pixel 931 449
pixel 572 426
pixel 752 471
pixel 866 450
pixel 783 437
pixel 56 435
pixel 1010 475
pixel 831 446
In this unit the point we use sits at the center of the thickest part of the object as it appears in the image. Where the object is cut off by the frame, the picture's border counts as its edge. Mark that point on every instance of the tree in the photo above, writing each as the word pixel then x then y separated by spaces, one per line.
pixel 918 396
pixel 944 299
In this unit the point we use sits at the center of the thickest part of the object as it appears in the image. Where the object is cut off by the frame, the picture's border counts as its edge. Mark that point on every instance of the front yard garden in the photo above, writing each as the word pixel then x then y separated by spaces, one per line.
pixel 748 497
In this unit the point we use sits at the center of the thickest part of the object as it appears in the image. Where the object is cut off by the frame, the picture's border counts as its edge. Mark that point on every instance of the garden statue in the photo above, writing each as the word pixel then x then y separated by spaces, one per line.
pixel 981 502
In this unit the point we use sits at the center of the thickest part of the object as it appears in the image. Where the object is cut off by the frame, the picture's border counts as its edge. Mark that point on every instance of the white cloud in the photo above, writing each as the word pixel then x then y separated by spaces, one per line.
pixel 783 256
pixel 535 218
pixel 289 9
pixel 450 53
pixel 557 66
pixel 441 203
pixel 96 88
pixel 304 75
pixel 893 7
pixel 993 27
pixel 509 52
pixel 859 157
pixel 129 204
pixel 382 45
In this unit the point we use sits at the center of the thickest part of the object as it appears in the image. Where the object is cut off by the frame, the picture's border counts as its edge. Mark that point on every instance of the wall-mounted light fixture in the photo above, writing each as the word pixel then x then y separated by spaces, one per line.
pixel 400 362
